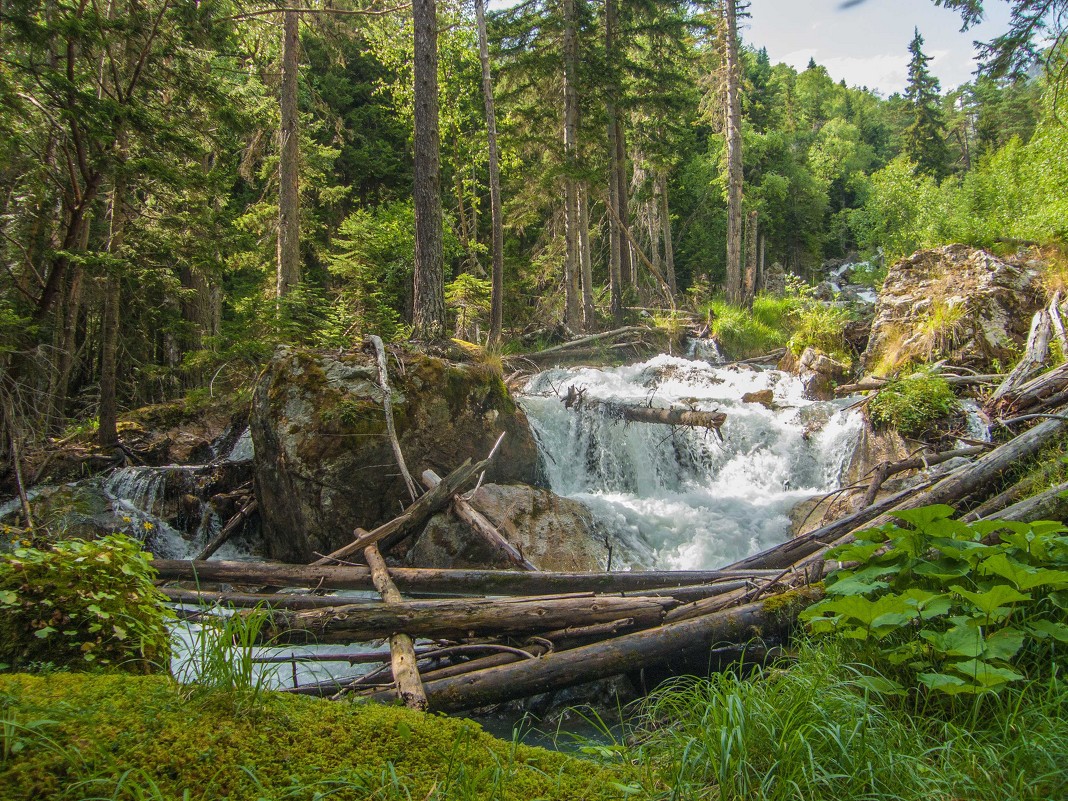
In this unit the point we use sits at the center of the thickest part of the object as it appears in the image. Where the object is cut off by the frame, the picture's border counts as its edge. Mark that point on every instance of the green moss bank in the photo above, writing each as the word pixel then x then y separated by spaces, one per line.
pixel 71 735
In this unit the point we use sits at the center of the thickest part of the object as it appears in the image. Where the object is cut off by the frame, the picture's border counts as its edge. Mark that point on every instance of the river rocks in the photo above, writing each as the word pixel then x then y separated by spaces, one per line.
pixel 819 373
pixel 553 533
pixel 324 464
pixel 952 302
pixel 765 397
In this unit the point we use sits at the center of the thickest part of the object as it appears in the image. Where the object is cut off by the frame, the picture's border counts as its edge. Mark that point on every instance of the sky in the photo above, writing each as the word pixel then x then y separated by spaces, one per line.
pixel 867 44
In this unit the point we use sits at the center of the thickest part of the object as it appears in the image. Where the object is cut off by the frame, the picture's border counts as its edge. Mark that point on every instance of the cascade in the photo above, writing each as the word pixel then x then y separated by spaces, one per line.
pixel 684 498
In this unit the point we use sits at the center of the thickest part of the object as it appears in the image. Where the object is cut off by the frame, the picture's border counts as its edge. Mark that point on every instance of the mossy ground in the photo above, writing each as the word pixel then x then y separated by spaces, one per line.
pixel 69 735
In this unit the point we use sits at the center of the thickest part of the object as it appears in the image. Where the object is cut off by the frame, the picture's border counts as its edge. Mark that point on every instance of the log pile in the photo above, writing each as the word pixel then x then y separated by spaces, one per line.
pixel 499 635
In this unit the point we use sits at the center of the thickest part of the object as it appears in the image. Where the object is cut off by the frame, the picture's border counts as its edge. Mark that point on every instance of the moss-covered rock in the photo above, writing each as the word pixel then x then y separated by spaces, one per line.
pixel 324 463
pixel 80 736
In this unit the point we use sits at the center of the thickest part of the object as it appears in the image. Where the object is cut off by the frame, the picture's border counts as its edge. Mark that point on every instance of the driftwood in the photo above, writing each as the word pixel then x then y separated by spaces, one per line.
pixel 874 382
pixel 576 399
pixel 387 405
pixel 478 523
pixel 887 469
pixel 457 619
pixel 1035 356
pixel 229 529
pixel 401 646
pixel 435 581
pixel 567 668
pixel 414 516
pixel 1044 391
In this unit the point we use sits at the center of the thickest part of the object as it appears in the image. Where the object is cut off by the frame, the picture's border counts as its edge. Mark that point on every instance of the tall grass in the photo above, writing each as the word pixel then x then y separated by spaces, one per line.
pixel 818 730
pixel 744 333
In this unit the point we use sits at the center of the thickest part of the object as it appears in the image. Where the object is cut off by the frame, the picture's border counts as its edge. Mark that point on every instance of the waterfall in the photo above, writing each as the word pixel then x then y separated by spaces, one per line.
pixel 684 498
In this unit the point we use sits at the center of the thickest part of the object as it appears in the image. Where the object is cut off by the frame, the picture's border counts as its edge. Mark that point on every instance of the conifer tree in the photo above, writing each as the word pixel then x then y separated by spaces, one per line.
pixel 924 139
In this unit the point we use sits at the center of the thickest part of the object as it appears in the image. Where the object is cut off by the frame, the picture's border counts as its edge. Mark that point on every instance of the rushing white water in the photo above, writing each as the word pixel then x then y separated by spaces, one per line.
pixel 683 498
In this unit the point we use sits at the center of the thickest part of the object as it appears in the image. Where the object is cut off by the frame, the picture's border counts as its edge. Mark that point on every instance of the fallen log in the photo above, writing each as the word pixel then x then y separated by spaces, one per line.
pixel 887 469
pixel 401 646
pixel 229 529
pixel 1041 392
pixel 874 382
pixel 1048 505
pixel 991 506
pixel 248 600
pixel 455 619
pixel 478 523
pixel 575 399
pixel 414 516
pixel 579 665
pixel 435 581
pixel 387 406
pixel 1035 356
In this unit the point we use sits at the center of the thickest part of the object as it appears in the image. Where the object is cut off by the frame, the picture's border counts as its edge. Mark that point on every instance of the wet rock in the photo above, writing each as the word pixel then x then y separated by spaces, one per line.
pixel 324 464
pixel 765 397
pixel 553 533
pixel 954 302
pixel 819 373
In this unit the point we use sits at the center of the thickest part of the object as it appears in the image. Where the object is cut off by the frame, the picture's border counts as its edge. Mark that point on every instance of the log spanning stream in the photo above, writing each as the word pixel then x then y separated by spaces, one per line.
pixel 687 498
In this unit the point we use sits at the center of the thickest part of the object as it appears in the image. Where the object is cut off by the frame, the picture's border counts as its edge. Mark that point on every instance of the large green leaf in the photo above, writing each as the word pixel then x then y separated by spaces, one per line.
pixel 1004 644
pixel 992 602
pixel 1024 576
pixel 1043 629
pixel 951 685
pixel 958 641
pixel 984 673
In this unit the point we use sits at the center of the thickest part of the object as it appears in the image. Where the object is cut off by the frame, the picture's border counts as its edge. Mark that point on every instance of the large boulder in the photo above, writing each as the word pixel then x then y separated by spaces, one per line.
pixel 819 373
pixel 553 533
pixel 324 463
pixel 952 302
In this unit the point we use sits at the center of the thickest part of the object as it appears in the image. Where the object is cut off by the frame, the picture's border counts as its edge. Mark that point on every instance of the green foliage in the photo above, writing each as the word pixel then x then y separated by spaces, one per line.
pixel 911 404
pixel 933 602
pixel 821 727
pixel 821 326
pixel 468 299
pixel 744 333
pixel 83 604
pixel 85 736
pixel 924 138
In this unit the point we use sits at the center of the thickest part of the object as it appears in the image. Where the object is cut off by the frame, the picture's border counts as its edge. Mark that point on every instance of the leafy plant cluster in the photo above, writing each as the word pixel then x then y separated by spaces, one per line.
pixel 83 604
pixel 938 602
pixel 910 405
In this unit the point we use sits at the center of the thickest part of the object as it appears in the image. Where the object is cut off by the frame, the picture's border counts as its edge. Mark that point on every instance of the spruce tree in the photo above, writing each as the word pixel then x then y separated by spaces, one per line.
pixel 924 139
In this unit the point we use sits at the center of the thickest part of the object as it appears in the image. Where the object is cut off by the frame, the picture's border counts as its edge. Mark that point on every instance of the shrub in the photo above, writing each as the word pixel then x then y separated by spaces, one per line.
pixel 936 602
pixel 820 326
pixel 744 333
pixel 82 604
pixel 912 404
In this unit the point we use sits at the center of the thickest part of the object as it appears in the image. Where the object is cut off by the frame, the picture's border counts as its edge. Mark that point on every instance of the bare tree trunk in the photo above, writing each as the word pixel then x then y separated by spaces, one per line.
pixel 572 312
pixel 665 228
pixel 496 215
pixel 750 283
pixel 615 236
pixel 288 275
pixel 429 290
pixel 734 153
pixel 589 312
pixel 107 433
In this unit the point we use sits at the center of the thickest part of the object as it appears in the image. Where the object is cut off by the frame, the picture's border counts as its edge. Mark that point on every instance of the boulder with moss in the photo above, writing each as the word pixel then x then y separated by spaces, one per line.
pixel 324 463
pixel 953 302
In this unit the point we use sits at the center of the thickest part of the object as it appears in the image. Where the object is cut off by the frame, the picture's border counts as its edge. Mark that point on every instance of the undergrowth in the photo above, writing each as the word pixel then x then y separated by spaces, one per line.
pixel 912 404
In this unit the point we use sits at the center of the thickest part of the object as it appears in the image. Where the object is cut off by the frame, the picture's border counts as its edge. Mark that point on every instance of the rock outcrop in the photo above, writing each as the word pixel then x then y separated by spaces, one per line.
pixel 952 302
pixel 324 464
pixel 553 533
pixel 819 373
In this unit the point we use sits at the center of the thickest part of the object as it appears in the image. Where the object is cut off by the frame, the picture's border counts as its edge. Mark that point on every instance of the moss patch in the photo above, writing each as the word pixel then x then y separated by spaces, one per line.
pixel 78 728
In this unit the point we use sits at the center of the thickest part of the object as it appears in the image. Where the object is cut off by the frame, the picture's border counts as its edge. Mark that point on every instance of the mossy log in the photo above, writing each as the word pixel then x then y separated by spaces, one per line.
pixel 457 619
pixel 440 581
pixel 560 669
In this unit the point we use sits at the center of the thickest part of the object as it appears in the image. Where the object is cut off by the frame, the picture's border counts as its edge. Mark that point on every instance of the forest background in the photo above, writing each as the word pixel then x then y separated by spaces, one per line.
pixel 148 165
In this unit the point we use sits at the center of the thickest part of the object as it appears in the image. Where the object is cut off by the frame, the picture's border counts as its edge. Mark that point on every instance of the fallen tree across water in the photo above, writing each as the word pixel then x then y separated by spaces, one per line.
pixel 634 413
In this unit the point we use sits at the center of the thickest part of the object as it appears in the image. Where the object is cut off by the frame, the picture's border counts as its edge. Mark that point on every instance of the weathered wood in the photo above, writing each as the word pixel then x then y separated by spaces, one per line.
pixel 1048 505
pixel 229 529
pixel 401 646
pixel 587 340
pixel 1041 392
pixel 575 399
pixel 886 469
pixel 457 619
pixel 478 522
pixel 248 600
pixel 1057 322
pixel 414 516
pixel 614 656
pixel 990 506
pixel 434 581
pixel 387 406
pixel 1035 356
pixel 874 382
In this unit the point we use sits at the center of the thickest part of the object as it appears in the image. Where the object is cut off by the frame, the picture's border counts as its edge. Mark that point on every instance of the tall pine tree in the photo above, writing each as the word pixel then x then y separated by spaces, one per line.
pixel 924 139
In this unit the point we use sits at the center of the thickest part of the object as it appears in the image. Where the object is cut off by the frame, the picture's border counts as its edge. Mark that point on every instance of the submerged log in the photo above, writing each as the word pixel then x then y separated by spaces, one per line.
pixel 229 529
pixel 612 657
pixel 457 619
pixel 436 581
